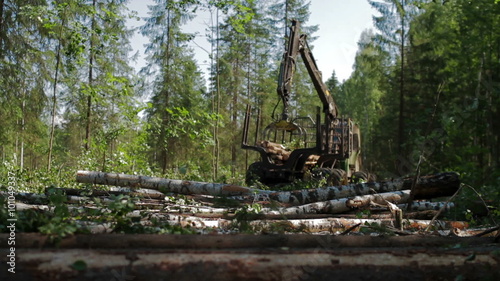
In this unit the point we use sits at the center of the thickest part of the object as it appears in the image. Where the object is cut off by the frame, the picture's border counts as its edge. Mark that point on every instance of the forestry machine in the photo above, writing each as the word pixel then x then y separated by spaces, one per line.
pixel 303 148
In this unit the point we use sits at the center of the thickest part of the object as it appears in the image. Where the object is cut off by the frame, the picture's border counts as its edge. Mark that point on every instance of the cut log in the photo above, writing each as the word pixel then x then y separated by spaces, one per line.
pixel 424 206
pixel 147 193
pixel 432 186
pixel 343 204
pixel 251 257
pixel 419 215
pixel 427 187
pixel 442 184
pixel 339 225
pixel 162 184
pixel 241 241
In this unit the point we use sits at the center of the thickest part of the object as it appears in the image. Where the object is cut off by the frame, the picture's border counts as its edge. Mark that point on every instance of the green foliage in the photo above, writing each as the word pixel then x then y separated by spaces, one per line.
pixel 244 215
pixel 79 265
pixel 186 124
pixel 363 214
pixel 376 228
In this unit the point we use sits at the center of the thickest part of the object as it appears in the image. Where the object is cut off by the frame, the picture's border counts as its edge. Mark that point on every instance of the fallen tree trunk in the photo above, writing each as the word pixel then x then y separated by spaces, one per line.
pixel 146 193
pixel 343 204
pixel 162 184
pixel 37 241
pixel 374 214
pixel 442 184
pixel 438 185
pixel 160 257
pixel 338 225
pixel 424 206
pixel 432 186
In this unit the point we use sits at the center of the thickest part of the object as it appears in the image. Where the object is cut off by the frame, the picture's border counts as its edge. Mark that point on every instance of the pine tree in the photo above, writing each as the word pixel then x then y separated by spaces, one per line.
pixel 393 23
pixel 23 73
pixel 177 82
pixel 97 79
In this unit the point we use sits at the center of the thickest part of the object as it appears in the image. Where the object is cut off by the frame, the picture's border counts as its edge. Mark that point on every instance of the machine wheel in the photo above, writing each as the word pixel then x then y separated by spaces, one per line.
pixel 359 177
pixel 321 173
pixel 338 177
pixel 334 177
pixel 254 173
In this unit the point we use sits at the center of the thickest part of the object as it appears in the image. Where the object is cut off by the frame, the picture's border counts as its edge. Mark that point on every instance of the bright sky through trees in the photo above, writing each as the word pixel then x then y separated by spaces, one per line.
pixel 340 25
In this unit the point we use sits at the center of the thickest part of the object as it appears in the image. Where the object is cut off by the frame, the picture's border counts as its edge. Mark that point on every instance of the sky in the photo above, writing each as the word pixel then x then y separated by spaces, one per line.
pixel 340 25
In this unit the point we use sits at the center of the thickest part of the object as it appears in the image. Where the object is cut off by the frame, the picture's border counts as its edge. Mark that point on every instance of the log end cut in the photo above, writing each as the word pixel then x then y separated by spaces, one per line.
pixel 437 185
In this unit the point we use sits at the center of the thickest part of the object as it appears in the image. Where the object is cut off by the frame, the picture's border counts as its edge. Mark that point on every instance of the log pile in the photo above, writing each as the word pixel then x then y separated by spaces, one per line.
pixel 277 152
pixel 225 208
pixel 280 154
pixel 311 210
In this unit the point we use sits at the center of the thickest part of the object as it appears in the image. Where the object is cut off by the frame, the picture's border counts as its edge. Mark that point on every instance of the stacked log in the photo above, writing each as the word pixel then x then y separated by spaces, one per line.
pixel 277 152
pixel 311 161
pixel 426 187
pixel 306 207
pixel 321 201
pixel 280 154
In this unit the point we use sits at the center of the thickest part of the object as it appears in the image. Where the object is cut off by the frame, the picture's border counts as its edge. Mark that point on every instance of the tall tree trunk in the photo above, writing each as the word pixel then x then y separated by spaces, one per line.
pixel 249 93
pixel 90 81
pixel 2 4
pixel 23 108
pixel 217 102
pixel 54 98
pixel 165 121
pixel 234 118
pixel 401 128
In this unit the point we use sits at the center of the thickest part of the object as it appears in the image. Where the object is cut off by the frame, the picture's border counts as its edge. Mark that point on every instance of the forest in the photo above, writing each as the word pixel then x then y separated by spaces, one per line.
pixel 424 89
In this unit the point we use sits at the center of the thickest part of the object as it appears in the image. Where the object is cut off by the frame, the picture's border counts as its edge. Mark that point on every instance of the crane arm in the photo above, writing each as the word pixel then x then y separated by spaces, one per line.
pixel 329 106
pixel 298 44
pixel 287 68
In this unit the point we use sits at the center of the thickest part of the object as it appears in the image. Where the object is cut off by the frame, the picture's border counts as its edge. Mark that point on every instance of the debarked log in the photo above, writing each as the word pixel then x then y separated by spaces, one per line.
pixel 252 257
pixel 243 241
pixel 162 184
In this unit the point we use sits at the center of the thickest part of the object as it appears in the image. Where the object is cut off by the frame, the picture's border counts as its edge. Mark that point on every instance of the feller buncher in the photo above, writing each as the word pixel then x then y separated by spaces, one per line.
pixel 303 148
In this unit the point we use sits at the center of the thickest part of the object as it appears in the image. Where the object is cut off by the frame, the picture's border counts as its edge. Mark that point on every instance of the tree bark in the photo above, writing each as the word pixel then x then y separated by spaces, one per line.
pixel 431 186
pixel 442 184
pixel 247 241
pixel 152 194
pixel 285 263
pixel 2 5
pixel 418 215
pixel 54 96
pixel 162 184
pixel 341 205
pixel 88 127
